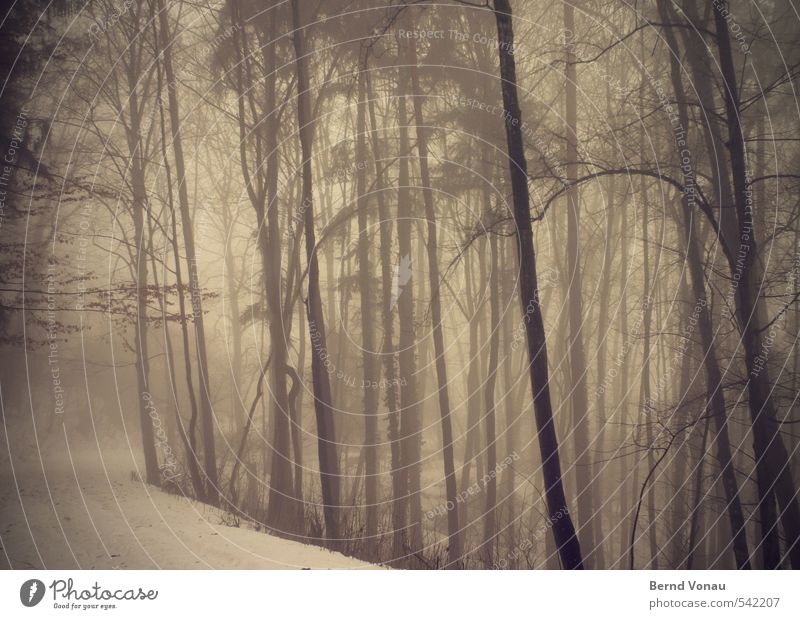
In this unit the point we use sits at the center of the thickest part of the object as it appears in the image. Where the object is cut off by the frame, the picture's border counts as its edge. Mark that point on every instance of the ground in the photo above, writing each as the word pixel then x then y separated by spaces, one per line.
pixel 81 507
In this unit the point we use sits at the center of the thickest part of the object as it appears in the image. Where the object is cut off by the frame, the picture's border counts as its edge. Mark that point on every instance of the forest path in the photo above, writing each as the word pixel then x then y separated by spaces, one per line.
pixel 82 508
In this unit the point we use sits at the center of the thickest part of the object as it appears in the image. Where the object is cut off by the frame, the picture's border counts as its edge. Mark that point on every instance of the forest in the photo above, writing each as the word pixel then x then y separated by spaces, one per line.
pixel 452 284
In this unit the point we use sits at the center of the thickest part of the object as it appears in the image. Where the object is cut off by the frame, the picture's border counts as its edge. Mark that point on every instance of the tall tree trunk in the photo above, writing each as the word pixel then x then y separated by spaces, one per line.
pixel 684 421
pixel 716 396
pixel 139 213
pixel 403 295
pixel 584 479
pixel 505 290
pixel 189 438
pixel 323 406
pixel 206 410
pixel 563 529
pixel 697 499
pixel 153 476
pixel 472 444
pixel 371 368
pixel 489 518
pixel 770 452
pixel 623 361
pixel 454 545
pixel 283 507
pixel 702 80
pixel 646 407
pixel 605 287
pixel 511 413
pixel 387 349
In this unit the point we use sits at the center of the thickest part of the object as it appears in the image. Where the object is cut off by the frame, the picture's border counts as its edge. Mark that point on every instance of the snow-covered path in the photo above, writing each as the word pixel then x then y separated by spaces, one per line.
pixel 80 508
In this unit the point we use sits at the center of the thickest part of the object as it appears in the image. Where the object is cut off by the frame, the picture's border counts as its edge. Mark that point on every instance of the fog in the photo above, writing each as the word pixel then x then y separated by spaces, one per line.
pixel 427 284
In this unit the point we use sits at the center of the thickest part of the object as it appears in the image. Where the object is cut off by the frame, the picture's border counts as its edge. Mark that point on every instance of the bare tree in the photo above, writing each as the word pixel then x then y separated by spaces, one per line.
pixel 206 409
pixel 563 530
pixel 323 405
pixel 454 545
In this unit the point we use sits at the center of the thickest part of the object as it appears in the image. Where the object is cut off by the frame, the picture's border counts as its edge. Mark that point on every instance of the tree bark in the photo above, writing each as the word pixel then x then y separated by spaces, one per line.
pixel 770 451
pixel 370 363
pixel 388 350
pixel 472 444
pixel 716 397
pixel 403 295
pixel 454 545
pixel 283 507
pixel 563 529
pixel 697 500
pixel 602 354
pixel 489 518
pixel 323 406
pixel 584 479
pixel 206 409
pixel 189 438
pixel 152 473
pixel 139 212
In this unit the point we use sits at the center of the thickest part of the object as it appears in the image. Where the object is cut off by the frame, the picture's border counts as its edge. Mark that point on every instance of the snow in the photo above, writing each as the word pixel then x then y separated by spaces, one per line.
pixel 71 508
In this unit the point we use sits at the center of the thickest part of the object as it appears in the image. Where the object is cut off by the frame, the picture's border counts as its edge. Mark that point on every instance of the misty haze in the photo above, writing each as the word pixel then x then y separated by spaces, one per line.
pixel 415 285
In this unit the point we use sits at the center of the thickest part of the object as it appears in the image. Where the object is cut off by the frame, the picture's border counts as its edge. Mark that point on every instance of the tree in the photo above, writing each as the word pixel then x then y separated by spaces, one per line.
pixel 563 530
pixel 206 408
pixel 323 405
pixel 716 396
pixel 371 368
pixel 490 518
pixel 410 439
pixel 584 478
pixel 454 545
pixel 770 452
